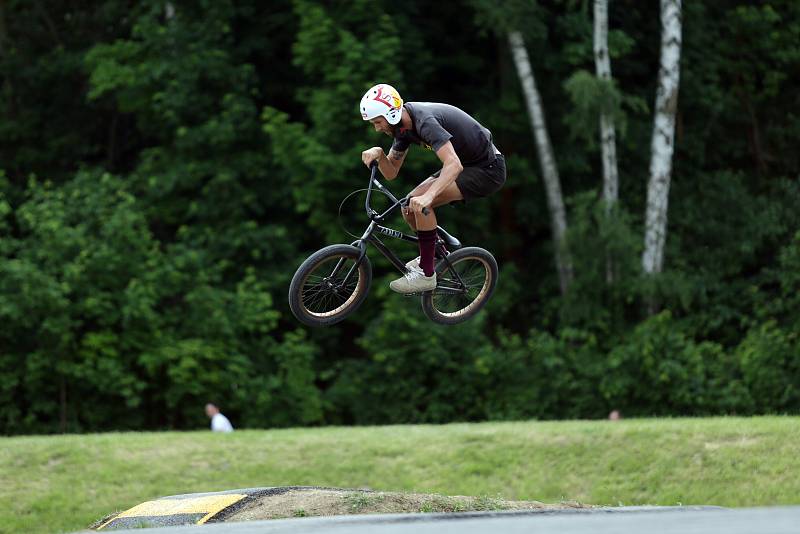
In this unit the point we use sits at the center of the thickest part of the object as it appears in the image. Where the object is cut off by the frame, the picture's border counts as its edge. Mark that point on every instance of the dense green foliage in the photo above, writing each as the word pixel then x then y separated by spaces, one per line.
pixel 166 166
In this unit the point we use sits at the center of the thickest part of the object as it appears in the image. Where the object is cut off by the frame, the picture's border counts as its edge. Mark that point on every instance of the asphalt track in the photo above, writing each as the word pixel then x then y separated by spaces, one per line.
pixel 669 520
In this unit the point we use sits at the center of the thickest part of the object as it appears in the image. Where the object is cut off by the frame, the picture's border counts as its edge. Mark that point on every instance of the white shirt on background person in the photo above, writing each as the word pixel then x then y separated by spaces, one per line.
pixel 220 423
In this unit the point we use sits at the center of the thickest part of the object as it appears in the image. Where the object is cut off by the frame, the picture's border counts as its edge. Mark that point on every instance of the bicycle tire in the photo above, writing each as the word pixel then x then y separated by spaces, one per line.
pixel 446 308
pixel 309 304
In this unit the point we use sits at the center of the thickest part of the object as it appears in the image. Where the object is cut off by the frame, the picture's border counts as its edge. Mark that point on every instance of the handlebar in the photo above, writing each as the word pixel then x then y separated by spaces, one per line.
pixel 403 202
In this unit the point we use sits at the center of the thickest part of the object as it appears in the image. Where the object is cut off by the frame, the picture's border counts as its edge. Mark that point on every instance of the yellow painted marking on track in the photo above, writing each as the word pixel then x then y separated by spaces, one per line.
pixel 209 505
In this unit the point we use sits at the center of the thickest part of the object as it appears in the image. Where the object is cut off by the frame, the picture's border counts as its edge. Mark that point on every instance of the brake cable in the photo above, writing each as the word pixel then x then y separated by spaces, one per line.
pixel 339 216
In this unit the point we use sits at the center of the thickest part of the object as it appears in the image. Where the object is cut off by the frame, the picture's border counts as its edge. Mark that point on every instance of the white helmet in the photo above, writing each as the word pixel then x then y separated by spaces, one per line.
pixel 382 100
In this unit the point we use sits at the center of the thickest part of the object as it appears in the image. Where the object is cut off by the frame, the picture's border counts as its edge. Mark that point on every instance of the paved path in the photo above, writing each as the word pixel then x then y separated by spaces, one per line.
pixel 687 520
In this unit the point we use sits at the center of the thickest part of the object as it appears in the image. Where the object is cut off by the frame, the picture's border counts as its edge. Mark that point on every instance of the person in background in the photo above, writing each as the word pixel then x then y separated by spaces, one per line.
pixel 219 423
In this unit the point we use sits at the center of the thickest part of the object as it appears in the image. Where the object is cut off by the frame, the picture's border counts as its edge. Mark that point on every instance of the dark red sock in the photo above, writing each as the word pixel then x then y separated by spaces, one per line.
pixel 427 248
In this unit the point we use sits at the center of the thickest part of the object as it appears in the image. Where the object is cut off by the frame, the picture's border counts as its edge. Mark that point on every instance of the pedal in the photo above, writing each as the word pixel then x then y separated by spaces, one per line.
pixel 415 294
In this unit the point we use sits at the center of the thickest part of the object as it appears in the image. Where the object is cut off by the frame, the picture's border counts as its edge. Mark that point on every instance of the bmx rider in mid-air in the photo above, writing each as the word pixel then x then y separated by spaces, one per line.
pixel 472 167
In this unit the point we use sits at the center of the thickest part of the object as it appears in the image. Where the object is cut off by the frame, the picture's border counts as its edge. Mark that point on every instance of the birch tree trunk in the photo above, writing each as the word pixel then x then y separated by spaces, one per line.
pixel 555 200
pixel 608 134
pixel 663 138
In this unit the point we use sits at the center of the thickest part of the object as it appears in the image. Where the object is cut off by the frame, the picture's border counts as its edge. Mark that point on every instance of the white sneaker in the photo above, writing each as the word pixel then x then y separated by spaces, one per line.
pixel 414 282
pixel 413 265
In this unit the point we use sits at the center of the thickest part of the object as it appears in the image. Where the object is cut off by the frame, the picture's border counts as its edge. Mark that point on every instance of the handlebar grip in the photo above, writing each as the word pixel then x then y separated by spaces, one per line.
pixel 406 200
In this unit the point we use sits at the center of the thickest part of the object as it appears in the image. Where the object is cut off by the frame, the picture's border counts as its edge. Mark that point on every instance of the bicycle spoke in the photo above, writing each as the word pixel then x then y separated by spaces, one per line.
pixel 323 293
pixel 469 277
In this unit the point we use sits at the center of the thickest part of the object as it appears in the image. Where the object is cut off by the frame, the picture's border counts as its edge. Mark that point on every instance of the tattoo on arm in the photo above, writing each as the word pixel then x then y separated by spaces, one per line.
pixel 397 156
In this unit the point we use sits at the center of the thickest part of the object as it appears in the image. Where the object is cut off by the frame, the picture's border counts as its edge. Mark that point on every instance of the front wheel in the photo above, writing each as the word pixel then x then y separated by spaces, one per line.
pixel 466 280
pixel 327 287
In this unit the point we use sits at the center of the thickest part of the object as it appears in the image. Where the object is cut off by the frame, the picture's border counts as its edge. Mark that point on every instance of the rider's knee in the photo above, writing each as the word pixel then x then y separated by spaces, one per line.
pixel 408 215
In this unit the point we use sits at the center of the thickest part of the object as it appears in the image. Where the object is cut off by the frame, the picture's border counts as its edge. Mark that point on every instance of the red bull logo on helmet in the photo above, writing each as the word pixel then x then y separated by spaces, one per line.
pixel 389 96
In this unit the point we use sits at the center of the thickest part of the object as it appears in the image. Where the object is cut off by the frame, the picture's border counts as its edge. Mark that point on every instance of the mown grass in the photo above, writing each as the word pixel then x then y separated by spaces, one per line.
pixel 64 483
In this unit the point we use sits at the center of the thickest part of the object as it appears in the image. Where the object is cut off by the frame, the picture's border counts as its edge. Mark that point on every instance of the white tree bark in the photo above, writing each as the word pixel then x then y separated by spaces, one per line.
pixel 555 201
pixel 663 138
pixel 608 134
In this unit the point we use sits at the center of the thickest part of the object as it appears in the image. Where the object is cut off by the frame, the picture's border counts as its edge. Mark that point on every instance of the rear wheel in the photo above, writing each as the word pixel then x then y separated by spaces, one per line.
pixel 464 286
pixel 318 295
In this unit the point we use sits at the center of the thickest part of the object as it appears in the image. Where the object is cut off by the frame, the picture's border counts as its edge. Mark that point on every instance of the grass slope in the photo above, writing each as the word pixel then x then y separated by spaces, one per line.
pixel 62 483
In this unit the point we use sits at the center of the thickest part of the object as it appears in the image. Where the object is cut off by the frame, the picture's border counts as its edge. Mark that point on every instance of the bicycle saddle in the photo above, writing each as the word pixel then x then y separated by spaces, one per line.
pixel 449 240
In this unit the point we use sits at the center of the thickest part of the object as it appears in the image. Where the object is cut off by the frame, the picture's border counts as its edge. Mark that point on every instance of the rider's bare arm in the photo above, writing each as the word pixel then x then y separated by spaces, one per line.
pixel 395 159
pixel 388 165
pixel 450 170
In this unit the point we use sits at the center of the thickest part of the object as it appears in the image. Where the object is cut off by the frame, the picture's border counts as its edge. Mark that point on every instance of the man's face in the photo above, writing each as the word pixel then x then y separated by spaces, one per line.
pixel 382 125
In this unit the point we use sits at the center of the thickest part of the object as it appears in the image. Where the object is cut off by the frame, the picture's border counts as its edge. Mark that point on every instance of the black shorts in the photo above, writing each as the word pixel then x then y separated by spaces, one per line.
pixel 479 182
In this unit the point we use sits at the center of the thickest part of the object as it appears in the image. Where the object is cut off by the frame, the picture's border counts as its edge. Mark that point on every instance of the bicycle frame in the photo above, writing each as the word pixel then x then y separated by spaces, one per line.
pixel 374 226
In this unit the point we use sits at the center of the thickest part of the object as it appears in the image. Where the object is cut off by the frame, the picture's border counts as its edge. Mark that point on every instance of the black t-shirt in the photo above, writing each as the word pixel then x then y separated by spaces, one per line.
pixel 434 124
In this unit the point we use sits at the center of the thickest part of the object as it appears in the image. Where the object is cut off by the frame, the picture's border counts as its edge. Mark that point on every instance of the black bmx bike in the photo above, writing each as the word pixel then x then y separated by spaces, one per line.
pixel 333 282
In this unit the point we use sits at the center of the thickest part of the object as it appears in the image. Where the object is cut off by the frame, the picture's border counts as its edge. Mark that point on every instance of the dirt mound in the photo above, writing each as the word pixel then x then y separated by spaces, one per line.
pixel 326 502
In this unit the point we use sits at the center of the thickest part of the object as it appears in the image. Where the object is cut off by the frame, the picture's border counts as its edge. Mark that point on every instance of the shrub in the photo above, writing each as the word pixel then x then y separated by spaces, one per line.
pixel 770 361
pixel 661 371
